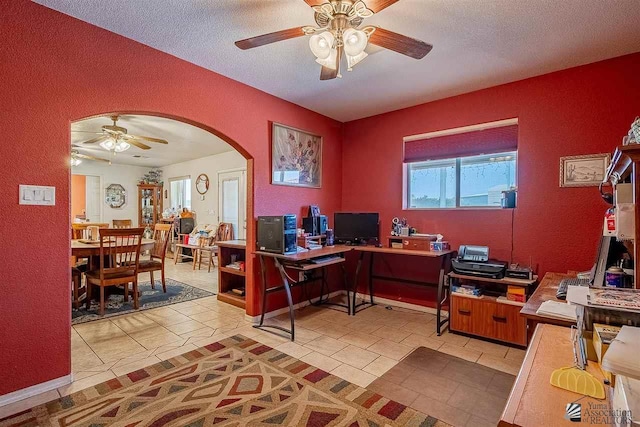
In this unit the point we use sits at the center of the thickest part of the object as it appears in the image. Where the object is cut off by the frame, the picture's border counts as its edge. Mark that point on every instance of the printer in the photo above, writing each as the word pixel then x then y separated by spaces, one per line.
pixel 474 261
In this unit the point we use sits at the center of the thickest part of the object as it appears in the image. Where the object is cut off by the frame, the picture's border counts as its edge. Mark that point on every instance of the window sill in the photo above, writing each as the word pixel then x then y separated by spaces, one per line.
pixel 469 208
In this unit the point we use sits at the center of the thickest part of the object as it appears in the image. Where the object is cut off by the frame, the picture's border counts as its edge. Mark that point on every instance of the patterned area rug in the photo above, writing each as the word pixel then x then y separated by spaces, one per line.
pixel 234 382
pixel 149 298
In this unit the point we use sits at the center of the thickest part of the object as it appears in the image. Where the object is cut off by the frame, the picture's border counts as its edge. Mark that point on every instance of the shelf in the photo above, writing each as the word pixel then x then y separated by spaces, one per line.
pixel 504 281
pixel 233 271
pixel 233 299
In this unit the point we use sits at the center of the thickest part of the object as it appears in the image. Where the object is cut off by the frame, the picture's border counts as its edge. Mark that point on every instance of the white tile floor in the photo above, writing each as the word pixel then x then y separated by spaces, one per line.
pixel 357 348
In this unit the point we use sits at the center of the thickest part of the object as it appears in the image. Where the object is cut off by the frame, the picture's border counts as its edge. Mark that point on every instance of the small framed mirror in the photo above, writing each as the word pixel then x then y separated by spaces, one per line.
pixel 115 196
pixel 202 183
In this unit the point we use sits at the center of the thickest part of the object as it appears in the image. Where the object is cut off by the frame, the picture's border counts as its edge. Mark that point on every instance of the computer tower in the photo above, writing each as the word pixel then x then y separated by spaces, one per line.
pixel 315 225
pixel 277 234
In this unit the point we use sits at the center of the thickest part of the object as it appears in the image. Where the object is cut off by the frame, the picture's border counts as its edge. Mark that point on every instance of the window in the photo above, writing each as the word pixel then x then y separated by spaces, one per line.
pixel 470 181
pixel 180 192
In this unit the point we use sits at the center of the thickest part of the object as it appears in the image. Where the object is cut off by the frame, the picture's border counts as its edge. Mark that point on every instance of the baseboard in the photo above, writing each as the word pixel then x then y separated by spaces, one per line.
pixel 35 390
pixel 401 304
pixel 274 313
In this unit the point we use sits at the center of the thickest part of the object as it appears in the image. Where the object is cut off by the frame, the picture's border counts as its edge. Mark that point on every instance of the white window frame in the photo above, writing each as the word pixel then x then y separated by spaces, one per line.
pixel 457 161
pixel 179 178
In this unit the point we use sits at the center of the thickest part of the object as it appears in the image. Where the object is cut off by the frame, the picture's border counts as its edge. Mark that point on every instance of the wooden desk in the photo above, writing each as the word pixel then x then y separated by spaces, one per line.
pixel 300 261
pixel 546 291
pixel 533 400
pixel 445 263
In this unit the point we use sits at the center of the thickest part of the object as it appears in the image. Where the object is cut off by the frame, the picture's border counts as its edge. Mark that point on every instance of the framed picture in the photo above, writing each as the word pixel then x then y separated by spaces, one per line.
pixel 583 171
pixel 115 196
pixel 296 157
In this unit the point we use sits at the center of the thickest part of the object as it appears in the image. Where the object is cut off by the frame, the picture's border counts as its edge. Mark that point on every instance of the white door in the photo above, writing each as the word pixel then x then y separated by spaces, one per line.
pixel 232 200
pixel 93 199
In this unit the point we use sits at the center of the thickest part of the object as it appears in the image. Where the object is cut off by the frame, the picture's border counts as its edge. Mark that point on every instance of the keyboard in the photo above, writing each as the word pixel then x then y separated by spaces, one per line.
pixel 565 283
pixel 323 259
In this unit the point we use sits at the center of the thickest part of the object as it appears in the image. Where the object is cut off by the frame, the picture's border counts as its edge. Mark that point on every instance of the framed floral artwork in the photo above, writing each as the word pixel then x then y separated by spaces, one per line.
pixel 296 157
pixel 583 171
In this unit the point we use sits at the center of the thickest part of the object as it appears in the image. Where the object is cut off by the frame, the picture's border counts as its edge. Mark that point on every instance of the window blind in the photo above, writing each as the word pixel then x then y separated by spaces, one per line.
pixel 484 141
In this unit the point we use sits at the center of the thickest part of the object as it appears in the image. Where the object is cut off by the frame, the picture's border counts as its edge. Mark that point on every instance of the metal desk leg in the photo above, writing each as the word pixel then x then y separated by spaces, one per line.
pixel 287 288
pixel 442 295
pixel 346 285
pixel 355 283
pixel 263 273
pixel 371 279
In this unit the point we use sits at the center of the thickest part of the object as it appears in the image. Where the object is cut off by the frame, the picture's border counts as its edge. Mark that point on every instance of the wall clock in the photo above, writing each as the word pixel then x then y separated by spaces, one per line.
pixel 202 183
pixel 115 196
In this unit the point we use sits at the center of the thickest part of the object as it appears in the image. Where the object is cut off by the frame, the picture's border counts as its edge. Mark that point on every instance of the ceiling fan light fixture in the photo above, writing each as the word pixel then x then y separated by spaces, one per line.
pixel 353 60
pixel 75 161
pixel 355 41
pixel 121 146
pixel 108 144
pixel 331 61
pixel 322 44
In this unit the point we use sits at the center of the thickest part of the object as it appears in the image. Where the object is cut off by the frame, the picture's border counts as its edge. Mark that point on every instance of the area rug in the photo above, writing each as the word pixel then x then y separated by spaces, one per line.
pixel 234 382
pixel 149 298
pixel 451 389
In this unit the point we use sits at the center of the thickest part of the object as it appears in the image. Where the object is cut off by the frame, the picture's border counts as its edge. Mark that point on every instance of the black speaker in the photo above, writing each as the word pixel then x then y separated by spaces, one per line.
pixel 277 234
pixel 316 225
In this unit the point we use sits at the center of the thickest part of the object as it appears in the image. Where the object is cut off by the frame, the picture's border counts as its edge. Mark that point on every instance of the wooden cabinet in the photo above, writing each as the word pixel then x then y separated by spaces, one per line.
pixel 486 317
pixel 231 281
pixel 410 242
pixel 149 205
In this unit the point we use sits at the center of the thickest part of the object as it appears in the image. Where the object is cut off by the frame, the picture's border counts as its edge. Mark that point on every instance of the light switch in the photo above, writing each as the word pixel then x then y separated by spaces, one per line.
pixel 37 195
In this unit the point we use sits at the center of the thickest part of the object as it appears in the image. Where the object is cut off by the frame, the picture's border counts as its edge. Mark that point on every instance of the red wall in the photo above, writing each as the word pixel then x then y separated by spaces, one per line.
pixel 582 110
pixel 56 69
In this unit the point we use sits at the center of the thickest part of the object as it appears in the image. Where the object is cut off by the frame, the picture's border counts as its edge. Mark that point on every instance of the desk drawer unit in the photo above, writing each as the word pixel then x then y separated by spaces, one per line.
pixel 488 318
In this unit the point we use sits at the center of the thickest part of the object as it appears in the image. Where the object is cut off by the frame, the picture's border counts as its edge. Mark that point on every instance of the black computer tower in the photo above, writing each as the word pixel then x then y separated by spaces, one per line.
pixel 315 225
pixel 277 234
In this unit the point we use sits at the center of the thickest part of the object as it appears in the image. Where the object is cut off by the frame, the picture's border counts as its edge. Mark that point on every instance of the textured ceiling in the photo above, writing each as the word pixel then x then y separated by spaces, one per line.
pixel 186 142
pixel 477 44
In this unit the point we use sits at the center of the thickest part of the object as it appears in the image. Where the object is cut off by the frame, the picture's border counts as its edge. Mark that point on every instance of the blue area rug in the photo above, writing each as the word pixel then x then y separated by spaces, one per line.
pixel 149 298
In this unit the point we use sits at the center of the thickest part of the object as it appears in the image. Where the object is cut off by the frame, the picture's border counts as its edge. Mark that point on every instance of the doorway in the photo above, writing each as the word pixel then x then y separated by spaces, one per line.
pixel 232 203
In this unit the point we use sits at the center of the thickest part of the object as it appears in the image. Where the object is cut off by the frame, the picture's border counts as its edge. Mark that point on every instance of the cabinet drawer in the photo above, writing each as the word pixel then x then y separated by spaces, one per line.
pixel 466 314
pixel 506 323
pixel 419 245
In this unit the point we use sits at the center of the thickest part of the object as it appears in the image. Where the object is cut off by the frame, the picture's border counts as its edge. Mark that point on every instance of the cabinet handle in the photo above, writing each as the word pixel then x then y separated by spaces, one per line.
pixel 464 312
pixel 500 319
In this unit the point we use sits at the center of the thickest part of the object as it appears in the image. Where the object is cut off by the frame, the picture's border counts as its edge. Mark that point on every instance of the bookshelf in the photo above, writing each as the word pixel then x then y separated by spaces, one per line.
pixel 231 280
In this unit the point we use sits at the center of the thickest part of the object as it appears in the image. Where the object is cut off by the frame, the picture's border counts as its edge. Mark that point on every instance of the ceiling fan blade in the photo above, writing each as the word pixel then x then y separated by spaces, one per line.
pixel 377 5
pixel 148 138
pixel 402 44
pixel 86 131
pixel 85 156
pixel 138 144
pixel 94 140
pixel 270 38
pixel 315 2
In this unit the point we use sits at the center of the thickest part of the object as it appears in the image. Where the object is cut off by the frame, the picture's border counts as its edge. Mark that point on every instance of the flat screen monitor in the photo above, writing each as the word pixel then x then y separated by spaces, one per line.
pixel 353 227
pixel 610 251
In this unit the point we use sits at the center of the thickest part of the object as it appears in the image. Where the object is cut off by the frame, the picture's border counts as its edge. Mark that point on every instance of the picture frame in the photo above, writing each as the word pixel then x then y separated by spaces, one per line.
pixel 296 157
pixel 115 196
pixel 202 183
pixel 584 170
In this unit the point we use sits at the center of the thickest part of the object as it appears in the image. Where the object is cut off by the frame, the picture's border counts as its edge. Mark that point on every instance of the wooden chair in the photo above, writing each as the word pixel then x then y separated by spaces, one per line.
pixel 161 236
pixel 119 261
pixel 224 232
pixel 79 229
pixel 78 289
pixel 122 223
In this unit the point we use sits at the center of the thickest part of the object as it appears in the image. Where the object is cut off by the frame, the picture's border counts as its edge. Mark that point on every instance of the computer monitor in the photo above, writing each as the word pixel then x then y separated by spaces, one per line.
pixel 356 227
pixel 610 251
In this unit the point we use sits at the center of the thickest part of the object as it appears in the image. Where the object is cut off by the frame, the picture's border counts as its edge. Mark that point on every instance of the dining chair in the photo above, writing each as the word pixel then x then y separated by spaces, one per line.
pixel 122 223
pixel 119 261
pixel 224 232
pixel 79 229
pixel 78 290
pixel 161 236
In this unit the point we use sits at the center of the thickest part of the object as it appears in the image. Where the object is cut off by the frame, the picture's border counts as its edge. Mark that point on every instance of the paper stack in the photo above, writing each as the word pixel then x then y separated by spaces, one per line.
pixel 560 310
pixel 622 356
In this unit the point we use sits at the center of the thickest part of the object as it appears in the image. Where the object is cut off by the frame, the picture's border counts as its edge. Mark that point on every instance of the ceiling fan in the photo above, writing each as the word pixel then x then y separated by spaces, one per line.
pixel 339 33
pixel 77 157
pixel 115 138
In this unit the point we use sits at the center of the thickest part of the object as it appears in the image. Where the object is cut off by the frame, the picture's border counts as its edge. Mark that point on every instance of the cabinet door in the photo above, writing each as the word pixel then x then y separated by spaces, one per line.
pixel 464 314
pixel 507 324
